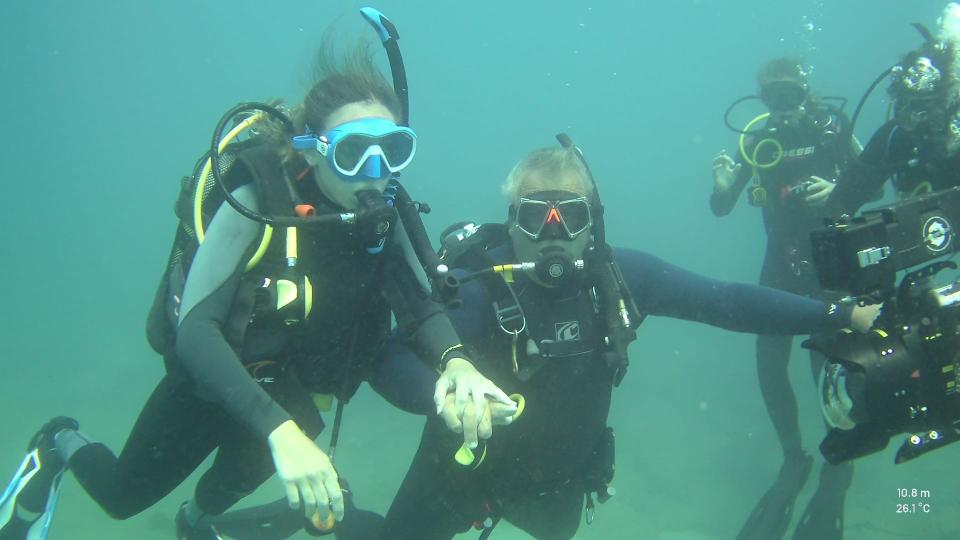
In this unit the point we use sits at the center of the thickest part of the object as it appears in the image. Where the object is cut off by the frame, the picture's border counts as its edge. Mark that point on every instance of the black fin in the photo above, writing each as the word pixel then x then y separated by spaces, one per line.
pixel 771 516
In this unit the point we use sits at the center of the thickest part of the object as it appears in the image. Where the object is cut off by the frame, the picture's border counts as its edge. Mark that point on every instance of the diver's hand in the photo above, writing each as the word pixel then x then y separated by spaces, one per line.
pixel 862 317
pixel 306 472
pixel 724 171
pixel 501 414
pixel 467 384
pixel 817 191
pixel 496 414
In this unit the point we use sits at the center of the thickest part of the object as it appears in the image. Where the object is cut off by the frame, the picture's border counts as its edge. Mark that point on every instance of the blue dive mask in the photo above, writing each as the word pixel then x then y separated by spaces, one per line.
pixel 364 149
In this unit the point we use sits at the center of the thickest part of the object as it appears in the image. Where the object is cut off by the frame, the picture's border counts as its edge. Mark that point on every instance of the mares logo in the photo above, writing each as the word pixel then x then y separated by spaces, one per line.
pixel 263 371
pixel 568 331
pixel 936 234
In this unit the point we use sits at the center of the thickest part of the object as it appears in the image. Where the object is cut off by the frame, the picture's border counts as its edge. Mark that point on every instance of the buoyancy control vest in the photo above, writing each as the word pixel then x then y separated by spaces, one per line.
pixel 277 283
pixel 572 323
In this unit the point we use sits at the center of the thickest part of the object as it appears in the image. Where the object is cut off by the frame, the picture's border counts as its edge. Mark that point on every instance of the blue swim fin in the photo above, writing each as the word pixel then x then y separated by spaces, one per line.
pixel 37 527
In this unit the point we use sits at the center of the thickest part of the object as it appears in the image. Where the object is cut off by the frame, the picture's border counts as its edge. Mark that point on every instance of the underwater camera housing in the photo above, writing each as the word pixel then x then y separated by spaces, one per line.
pixel 903 376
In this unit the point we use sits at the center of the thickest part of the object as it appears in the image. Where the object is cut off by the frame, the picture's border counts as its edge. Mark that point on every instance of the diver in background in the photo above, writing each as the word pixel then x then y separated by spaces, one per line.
pixel 792 166
pixel 919 148
pixel 549 309
pixel 253 341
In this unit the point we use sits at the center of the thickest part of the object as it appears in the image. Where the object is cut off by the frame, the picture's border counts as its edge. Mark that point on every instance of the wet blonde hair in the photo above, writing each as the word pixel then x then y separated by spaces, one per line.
pixel 547 169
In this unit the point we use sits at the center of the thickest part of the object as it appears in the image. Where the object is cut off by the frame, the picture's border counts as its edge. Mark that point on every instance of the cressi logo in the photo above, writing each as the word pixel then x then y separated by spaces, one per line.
pixel 936 234
pixel 568 331
pixel 799 152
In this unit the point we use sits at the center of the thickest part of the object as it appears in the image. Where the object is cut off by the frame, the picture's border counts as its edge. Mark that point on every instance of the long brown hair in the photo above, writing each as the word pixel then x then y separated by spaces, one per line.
pixel 341 80
pixel 338 80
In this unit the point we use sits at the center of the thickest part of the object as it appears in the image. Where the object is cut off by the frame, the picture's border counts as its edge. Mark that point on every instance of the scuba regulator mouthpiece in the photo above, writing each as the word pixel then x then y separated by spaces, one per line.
pixel 375 217
pixel 556 269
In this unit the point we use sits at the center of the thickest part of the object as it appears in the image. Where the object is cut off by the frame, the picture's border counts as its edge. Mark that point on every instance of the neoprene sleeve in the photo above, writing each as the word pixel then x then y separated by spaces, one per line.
pixel 208 296
pixel 659 288
pixel 865 176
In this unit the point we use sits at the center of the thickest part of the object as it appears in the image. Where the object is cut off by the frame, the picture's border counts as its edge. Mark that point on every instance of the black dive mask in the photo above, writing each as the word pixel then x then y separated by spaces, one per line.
pixel 553 215
pixel 919 97
pixel 783 96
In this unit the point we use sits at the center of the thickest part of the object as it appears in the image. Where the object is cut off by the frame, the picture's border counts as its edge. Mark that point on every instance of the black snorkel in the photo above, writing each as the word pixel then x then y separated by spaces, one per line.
pixel 444 285
pixel 620 313
pixel 599 229
pixel 863 100
pixel 389 37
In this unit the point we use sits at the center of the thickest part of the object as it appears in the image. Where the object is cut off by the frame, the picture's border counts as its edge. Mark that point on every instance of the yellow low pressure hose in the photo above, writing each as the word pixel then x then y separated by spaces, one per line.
pixel 752 160
pixel 201 185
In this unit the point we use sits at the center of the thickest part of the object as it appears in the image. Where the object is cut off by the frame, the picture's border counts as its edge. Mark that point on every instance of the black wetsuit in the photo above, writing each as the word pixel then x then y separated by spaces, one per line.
pixel 814 148
pixel 818 146
pixel 228 393
pixel 533 472
pixel 894 152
